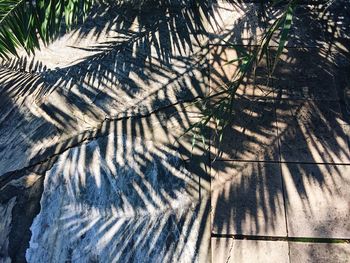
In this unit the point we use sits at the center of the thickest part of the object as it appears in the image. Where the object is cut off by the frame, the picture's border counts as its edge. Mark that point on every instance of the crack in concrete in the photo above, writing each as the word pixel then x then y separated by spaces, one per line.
pixel 92 134
pixel 29 198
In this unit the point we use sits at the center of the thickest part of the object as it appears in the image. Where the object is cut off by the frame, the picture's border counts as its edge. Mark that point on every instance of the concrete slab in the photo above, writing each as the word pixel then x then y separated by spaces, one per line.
pixel 317 200
pixel 252 133
pixel 247 199
pixel 224 70
pixel 228 250
pixel 239 23
pixel 342 80
pixel 320 253
pixel 311 131
pixel 245 23
pixel 305 73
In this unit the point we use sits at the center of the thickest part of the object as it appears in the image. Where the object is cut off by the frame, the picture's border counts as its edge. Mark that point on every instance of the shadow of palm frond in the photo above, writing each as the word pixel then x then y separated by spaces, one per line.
pixel 124 76
pixel 140 201
pixel 122 181
pixel 285 155
pixel 126 188
pixel 128 195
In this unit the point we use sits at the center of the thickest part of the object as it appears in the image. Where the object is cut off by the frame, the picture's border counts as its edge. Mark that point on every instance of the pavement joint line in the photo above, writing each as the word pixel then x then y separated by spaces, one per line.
pixel 282 182
pixel 282 3
pixel 283 238
pixel 253 45
pixel 278 162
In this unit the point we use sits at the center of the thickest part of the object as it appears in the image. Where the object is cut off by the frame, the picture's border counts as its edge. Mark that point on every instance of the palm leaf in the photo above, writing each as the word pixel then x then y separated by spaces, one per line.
pixel 24 23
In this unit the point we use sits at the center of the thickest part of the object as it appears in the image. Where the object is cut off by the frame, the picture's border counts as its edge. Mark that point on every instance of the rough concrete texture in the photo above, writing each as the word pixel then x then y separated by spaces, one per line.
pixel 322 253
pixel 245 24
pixel 312 131
pixel 311 75
pixel 228 250
pixel 317 200
pixel 5 227
pixel 252 134
pixel 247 199
pixel 238 24
pixel 133 195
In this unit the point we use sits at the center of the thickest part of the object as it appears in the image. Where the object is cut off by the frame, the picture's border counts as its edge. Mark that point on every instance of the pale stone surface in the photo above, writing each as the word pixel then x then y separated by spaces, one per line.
pixel 300 73
pixel 5 228
pixel 236 23
pixel 228 250
pixel 342 80
pixel 312 131
pixel 320 253
pixel 22 132
pixel 317 200
pixel 109 68
pixel 118 198
pixel 247 199
pixel 346 129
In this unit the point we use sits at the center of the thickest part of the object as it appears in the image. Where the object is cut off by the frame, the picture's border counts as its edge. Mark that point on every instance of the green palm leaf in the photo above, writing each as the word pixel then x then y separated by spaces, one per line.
pixel 24 23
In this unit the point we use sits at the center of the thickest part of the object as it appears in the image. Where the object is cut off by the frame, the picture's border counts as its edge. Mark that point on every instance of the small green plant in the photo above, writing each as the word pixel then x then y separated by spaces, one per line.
pixel 217 107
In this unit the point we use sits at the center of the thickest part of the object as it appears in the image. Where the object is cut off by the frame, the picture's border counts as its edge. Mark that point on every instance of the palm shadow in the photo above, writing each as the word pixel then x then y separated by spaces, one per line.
pixel 126 98
pixel 113 117
pixel 286 151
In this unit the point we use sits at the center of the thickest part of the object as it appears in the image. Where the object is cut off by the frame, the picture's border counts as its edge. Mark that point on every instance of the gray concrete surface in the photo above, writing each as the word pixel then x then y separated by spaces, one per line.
pixel 290 202
pixel 93 167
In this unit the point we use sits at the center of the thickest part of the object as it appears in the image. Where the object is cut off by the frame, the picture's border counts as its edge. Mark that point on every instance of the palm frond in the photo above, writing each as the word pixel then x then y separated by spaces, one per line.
pixel 24 23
